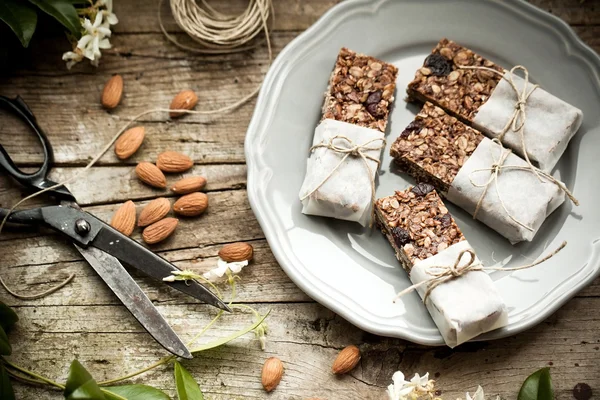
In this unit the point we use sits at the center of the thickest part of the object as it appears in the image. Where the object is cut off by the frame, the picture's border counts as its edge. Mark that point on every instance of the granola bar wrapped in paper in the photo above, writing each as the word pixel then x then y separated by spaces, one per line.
pixel 516 201
pixel 427 240
pixel 480 94
pixel 347 144
pixel 339 184
pixel 477 174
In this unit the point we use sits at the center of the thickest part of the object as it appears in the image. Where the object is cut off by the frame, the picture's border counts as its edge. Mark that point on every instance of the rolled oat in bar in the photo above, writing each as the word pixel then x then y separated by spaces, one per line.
pixel 487 101
pixel 339 181
pixel 426 238
pixel 458 160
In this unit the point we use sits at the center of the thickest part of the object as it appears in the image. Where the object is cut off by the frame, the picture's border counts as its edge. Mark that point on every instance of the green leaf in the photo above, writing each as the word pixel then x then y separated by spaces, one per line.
pixel 187 388
pixel 6 390
pixel 538 386
pixel 63 11
pixel 134 392
pixel 220 342
pixel 5 347
pixel 80 384
pixel 20 17
pixel 7 316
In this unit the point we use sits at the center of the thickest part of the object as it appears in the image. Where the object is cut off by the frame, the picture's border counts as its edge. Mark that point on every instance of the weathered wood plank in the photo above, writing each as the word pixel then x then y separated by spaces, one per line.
pixel 262 281
pixel 307 337
pixel 120 183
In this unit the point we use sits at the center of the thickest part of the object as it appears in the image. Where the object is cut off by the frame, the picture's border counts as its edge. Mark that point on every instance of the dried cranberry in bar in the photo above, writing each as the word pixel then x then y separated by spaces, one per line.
pixel 486 100
pixel 458 160
pixel 425 238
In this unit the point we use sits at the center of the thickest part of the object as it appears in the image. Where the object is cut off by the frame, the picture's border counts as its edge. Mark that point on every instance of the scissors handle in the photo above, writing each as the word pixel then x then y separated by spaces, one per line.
pixel 36 180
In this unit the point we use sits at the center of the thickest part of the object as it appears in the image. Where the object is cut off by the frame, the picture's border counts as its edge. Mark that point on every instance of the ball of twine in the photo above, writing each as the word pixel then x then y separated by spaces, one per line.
pixel 218 33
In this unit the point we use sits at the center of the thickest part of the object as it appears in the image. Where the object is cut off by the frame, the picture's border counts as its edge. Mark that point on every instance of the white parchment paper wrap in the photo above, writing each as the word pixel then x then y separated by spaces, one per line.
pixel 347 193
pixel 527 199
pixel 464 307
pixel 549 126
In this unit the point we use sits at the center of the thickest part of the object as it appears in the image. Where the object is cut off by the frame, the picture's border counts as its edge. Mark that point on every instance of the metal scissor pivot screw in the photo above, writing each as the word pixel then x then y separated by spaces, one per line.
pixel 82 227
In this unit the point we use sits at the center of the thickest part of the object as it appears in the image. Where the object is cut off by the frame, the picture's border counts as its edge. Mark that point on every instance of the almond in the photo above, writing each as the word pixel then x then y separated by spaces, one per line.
pixel 112 92
pixel 189 185
pixel 185 100
pixel 272 373
pixel 172 161
pixel 129 142
pixel 239 251
pixel 191 204
pixel 124 218
pixel 160 230
pixel 151 175
pixel 154 211
pixel 346 360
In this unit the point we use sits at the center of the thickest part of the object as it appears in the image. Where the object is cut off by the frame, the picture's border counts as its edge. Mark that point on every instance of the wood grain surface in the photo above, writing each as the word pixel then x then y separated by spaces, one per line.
pixel 86 321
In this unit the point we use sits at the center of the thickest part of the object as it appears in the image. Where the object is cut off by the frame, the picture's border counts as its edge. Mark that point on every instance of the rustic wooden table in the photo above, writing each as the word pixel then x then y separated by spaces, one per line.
pixel 86 321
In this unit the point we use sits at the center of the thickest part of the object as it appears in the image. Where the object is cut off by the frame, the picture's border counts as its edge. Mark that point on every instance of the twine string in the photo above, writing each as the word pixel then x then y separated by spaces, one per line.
pixel 354 150
pixel 516 122
pixel 442 274
pixel 496 168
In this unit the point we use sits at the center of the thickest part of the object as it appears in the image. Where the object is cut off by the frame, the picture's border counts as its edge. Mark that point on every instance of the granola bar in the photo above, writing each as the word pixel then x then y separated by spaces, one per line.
pixel 458 161
pixel 417 224
pixel 360 91
pixel 426 240
pixel 486 101
pixel 435 146
pixel 459 91
pixel 339 184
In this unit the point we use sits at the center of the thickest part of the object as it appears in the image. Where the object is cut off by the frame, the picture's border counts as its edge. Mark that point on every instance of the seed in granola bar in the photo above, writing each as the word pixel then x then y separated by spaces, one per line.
pixel 445 219
pixel 438 65
pixel 374 98
pixel 414 127
pixel 422 189
pixel 401 236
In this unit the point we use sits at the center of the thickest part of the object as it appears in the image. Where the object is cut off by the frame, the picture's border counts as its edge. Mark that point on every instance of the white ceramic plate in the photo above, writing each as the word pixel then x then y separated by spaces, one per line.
pixel 352 270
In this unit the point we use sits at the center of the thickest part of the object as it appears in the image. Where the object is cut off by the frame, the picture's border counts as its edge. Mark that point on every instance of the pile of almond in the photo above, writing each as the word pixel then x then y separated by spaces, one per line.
pixel 153 217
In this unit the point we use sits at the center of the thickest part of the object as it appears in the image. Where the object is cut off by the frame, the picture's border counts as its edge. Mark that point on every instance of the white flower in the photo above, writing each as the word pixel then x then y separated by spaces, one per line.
pixel 222 268
pixel 478 395
pixel 402 389
pixel 95 36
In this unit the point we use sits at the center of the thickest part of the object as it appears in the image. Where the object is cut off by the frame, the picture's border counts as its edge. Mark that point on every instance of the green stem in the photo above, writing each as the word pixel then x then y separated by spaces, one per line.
pixel 205 328
pixel 24 378
pixel 141 371
pixel 33 374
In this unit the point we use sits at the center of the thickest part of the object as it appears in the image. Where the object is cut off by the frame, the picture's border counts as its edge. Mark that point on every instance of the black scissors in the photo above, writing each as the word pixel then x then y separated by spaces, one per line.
pixel 100 244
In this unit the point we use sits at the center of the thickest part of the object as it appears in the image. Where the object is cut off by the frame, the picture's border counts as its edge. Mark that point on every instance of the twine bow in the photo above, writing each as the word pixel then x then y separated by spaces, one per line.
pixel 442 274
pixel 354 150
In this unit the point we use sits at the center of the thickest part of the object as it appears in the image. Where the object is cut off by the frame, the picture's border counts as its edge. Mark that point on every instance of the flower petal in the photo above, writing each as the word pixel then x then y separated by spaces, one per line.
pixel 83 42
pixel 112 19
pixel 98 20
pixel 105 44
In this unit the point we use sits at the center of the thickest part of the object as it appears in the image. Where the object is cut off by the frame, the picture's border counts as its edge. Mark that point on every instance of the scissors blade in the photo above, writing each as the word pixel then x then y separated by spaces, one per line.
pixel 136 255
pixel 136 301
